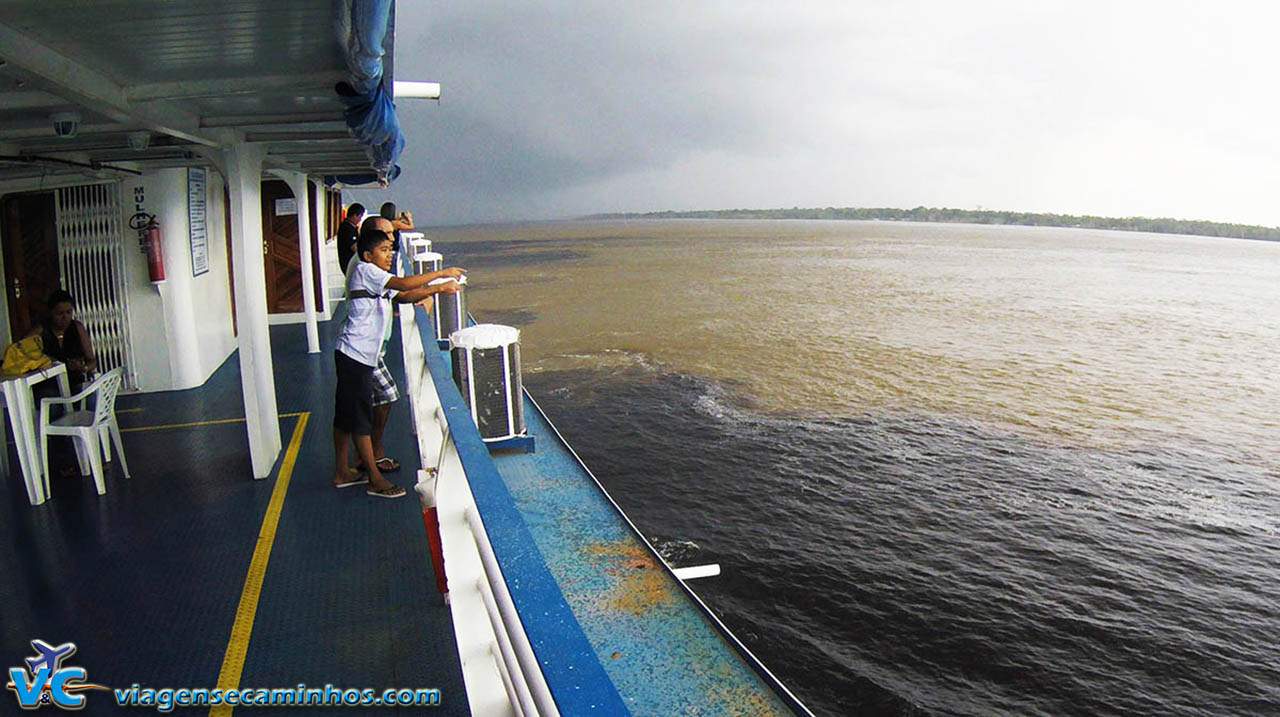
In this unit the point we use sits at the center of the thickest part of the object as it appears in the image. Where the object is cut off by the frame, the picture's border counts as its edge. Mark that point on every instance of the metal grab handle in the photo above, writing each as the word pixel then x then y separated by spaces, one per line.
pixel 444 438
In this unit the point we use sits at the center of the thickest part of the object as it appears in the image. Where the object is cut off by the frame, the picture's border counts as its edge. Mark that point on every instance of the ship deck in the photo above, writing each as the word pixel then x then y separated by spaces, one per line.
pixel 191 574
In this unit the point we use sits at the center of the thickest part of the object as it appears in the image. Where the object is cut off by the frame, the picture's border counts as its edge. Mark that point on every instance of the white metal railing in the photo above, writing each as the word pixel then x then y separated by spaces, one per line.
pixel 526 665
pixel 486 625
pixel 506 682
pixel 505 656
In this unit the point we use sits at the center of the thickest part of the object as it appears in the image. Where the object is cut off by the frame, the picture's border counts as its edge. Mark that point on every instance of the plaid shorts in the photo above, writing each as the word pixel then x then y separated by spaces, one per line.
pixel 384 387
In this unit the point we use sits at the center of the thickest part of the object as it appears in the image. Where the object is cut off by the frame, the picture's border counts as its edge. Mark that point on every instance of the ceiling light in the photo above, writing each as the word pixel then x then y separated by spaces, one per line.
pixel 65 124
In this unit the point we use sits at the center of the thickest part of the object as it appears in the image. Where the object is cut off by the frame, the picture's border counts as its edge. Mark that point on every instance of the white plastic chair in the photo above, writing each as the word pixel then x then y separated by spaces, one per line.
pixel 88 428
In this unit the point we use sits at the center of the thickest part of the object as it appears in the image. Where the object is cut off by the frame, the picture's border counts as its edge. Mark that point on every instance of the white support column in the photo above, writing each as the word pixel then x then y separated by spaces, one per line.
pixel 244 179
pixel 318 213
pixel 298 185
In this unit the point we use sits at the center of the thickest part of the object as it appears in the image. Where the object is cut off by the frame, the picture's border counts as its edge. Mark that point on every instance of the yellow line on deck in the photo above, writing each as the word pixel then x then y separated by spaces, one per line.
pixel 199 423
pixel 242 626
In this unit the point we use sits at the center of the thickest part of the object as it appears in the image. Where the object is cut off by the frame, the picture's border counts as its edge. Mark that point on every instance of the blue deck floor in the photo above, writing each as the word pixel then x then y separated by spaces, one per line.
pixel 147 579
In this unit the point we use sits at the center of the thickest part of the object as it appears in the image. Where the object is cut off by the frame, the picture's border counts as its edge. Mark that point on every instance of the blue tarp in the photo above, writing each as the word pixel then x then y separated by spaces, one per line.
pixel 370 113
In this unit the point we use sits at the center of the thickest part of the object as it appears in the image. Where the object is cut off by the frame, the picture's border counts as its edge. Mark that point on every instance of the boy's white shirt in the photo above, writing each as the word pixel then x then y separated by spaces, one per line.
pixel 363 334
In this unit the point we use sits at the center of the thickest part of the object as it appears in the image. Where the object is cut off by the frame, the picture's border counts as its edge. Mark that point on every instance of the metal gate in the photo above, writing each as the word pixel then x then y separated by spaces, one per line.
pixel 91 257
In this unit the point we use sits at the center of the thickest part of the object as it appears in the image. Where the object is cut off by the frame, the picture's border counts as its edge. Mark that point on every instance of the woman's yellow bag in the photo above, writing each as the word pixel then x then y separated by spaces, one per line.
pixel 24 356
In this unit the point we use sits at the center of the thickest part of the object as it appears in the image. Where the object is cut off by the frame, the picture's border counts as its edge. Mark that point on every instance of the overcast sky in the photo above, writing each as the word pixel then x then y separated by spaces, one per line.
pixel 563 107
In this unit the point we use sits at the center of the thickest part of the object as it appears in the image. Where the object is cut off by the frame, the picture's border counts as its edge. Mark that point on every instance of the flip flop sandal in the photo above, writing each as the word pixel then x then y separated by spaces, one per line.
pixel 393 491
pixel 358 479
pixel 387 464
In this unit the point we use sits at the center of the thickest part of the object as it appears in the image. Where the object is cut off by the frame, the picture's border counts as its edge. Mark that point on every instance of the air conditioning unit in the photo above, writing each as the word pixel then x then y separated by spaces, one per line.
pixel 486 369
pixel 450 310
pixel 417 241
pixel 426 261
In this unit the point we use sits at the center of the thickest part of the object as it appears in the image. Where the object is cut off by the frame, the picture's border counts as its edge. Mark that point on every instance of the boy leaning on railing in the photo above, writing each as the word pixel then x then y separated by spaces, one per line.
pixel 372 289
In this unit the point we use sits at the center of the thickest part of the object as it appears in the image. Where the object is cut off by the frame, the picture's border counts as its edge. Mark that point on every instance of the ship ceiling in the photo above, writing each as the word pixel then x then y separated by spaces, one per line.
pixel 190 73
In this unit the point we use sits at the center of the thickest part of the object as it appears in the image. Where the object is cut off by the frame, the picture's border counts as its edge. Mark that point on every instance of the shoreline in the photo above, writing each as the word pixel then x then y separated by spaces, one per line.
pixel 1159 225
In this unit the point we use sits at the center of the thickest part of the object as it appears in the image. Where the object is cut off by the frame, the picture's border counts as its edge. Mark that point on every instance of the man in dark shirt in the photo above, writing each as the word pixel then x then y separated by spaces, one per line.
pixel 349 233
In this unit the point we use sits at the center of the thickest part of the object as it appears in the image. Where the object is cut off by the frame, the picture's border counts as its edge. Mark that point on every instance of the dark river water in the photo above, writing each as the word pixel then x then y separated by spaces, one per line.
pixel 946 469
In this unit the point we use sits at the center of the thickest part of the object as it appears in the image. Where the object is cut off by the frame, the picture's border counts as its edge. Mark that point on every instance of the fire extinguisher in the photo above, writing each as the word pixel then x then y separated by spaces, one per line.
pixel 149 242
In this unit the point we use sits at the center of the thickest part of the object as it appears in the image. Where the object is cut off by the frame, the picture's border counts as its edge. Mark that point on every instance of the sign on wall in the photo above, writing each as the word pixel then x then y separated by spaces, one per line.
pixel 196 219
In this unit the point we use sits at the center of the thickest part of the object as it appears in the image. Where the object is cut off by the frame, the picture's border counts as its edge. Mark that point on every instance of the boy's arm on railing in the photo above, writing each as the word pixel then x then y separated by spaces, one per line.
pixel 413 281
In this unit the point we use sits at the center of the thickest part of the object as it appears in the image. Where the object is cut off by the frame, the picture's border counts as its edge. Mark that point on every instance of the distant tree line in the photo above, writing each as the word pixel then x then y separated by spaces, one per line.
pixel 1160 225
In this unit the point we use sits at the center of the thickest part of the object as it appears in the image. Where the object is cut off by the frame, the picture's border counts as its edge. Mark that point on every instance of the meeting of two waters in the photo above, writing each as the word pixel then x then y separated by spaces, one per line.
pixel 946 469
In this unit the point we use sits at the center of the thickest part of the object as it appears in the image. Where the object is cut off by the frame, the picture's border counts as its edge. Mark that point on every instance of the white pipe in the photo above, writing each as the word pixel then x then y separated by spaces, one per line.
pixel 529 666
pixel 506 680
pixel 697 571
pixel 509 398
pixel 404 90
pixel 510 667
pixel 298 184
pixel 471 387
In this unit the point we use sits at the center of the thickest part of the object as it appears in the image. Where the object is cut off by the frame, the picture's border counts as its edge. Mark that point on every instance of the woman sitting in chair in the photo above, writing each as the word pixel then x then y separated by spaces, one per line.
pixel 66 340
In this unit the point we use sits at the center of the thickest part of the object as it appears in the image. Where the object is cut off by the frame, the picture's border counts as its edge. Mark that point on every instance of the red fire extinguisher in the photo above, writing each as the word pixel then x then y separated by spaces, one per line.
pixel 149 242
pixel 426 488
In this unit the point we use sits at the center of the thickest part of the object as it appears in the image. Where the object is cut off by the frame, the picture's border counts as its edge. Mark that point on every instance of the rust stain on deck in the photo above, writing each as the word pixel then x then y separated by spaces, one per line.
pixel 745 700
pixel 642 584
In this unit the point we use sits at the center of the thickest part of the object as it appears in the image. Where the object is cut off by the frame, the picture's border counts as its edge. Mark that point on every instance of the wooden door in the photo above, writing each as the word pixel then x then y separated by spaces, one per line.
pixel 335 213
pixel 317 240
pixel 283 262
pixel 30 258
